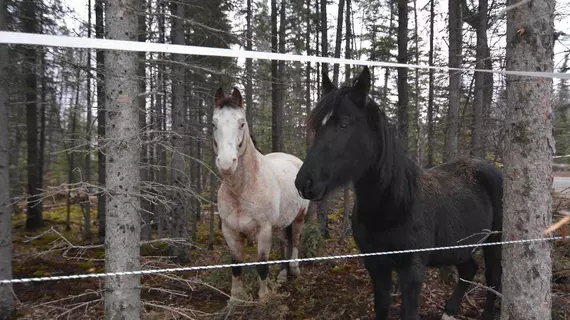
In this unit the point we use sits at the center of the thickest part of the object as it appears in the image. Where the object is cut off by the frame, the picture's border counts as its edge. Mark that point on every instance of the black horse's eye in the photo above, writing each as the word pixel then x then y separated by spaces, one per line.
pixel 343 125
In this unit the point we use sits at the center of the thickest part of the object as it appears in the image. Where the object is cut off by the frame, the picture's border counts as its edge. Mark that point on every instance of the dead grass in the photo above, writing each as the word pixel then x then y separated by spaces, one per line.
pixel 328 289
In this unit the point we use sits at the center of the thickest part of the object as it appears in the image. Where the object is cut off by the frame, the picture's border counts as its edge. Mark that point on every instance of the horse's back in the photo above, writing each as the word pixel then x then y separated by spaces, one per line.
pixel 281 157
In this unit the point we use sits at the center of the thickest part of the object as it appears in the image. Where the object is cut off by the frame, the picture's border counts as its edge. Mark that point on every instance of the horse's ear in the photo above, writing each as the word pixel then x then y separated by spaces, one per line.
pixel 236 98
pixel 328 86
pixel 362 83
pixel 218 97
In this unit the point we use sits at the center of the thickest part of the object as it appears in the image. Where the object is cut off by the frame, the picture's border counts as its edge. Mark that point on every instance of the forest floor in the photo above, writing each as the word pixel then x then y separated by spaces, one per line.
pixel 330 289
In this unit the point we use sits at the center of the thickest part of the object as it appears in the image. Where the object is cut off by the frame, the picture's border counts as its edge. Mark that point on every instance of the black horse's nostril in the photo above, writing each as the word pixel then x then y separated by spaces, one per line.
pixel 308 183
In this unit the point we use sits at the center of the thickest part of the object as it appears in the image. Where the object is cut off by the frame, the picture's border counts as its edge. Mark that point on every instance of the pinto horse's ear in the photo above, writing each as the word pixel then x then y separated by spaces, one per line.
pixel 362 83
pixel 218 97
pixel 328 86
pixel 236 98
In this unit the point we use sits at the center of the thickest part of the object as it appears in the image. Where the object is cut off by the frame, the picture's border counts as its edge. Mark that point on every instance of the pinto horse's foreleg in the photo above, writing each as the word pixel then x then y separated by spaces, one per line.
pixel 411 278
pixel 284 236
pixel 235 241
pixel 264 239
pixel 297 225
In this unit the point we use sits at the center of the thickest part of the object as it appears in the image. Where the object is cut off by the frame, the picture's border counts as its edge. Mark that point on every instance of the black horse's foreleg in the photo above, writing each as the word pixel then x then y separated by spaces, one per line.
pixel 381 276
pixel 411 278
pixel 466 271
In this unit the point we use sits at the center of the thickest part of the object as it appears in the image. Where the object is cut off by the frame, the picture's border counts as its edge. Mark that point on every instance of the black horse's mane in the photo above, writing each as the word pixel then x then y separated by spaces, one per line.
pixel 396 171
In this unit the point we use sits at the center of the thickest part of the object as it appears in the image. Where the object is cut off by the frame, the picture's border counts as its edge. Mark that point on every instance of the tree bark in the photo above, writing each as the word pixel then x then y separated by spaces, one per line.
pixel 101 117
pixel 308 69
pixel 347 55
pixel 6 295
pixel 403 98
pixel 87 202
pixel 146 214
pixel 482 57
pixel 527 274
pixel 34 219
pixel 325 39
pixel 338 42
pixel 455 58
pixel 249 70
pixel 122 238
pixel 179 213
pixel 430 113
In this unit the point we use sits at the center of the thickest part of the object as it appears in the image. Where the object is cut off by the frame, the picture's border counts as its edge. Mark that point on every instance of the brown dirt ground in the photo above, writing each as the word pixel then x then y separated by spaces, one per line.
pixel 331 289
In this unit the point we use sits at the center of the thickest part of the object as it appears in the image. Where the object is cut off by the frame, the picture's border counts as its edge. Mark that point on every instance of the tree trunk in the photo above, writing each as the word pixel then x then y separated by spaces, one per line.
pixel 308 69
pixel 249 70
pixel 417 107
pixel 347 54
pixel 34 219
pixel 338 42
pixel 122 250
pixel 146 214
pixel 43 103
pixel 160 127
pixel 87 202
pixel 430 113
pixel 325 39
pixel 390 30
pixel 6 291
pixel 70 154
pixel 101 117
pixel 403 98
pixel 527 267
pixel 276 96
pixel 323 205
pixel 179 214
pixel 482 54
pixel 455 57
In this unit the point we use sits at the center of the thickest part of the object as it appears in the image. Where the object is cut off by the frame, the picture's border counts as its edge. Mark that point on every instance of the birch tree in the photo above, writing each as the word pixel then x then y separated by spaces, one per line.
pixel 122 232
pixel 6 296
pixel 527 267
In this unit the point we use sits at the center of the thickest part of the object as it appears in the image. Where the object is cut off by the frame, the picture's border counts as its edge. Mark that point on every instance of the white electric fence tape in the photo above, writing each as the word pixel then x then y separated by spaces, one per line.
pixel 10 37
pixel 248 264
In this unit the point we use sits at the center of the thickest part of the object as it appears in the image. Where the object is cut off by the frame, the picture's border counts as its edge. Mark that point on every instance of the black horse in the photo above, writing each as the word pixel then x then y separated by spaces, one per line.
pixel 398 204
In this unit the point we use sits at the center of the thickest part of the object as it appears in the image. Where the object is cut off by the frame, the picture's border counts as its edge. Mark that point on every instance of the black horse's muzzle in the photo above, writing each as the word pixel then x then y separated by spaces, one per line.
pixel 308 189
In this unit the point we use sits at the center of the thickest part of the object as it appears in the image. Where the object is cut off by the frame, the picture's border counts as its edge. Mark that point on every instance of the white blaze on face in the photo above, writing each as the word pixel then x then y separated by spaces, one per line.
pixel 229 128
pixel 326 118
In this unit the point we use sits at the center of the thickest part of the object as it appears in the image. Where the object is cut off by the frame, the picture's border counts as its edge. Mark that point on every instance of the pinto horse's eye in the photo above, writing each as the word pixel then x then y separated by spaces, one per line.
pixel 242 125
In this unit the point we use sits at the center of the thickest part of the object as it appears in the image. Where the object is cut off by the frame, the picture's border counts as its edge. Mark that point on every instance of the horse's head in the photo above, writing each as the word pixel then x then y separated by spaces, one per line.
pixel 230 130
pixel 344 143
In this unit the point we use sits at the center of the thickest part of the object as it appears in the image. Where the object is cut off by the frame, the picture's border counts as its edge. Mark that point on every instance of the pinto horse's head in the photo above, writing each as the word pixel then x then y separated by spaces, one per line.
pixel 230 130
pixel 344 145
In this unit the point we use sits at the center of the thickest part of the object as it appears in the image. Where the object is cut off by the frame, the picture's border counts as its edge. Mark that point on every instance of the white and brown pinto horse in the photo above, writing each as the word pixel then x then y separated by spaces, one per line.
pixel 257 194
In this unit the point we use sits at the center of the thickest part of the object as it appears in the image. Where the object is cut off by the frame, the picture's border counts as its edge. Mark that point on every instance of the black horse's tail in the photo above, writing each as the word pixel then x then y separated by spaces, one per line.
pixel 492 181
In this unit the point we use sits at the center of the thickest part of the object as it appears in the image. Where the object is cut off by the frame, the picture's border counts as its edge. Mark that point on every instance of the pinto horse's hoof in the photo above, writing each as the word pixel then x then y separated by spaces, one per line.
pixel 295 271
pixel 282 277
pixel 445 316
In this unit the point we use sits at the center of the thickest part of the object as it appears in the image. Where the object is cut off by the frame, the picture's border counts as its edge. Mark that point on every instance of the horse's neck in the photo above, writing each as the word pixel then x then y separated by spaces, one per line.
pixel 392 197
pixel 247 170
